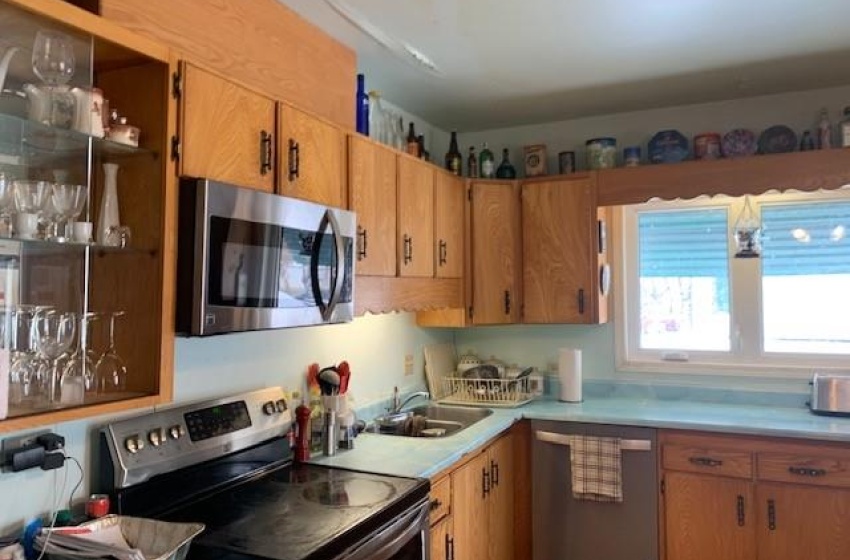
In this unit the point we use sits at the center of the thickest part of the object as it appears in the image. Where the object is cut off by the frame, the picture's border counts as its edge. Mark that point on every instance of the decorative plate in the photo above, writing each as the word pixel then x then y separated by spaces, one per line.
pixel 668 146
pixel 739 143
pixel 777 139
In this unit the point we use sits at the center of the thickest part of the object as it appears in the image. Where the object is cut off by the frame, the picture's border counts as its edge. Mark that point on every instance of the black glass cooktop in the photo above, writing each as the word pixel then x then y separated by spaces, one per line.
pixel 287 512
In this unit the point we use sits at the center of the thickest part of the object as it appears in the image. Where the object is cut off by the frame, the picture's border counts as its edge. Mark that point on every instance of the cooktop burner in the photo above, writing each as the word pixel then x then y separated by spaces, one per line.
pixel 293 513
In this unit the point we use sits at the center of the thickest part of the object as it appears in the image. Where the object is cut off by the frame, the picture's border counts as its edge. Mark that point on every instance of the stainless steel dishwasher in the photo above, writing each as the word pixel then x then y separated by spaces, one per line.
pixel 567 528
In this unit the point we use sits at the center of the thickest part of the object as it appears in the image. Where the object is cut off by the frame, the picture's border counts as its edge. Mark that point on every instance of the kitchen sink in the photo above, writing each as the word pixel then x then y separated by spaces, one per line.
pixel 428 420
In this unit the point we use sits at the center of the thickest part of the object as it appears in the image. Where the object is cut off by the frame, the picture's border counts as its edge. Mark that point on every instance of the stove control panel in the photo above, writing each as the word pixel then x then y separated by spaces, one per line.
pixel 168 439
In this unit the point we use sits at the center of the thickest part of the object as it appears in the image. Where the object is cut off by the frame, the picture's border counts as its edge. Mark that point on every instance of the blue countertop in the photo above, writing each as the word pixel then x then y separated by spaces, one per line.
pixel 422 457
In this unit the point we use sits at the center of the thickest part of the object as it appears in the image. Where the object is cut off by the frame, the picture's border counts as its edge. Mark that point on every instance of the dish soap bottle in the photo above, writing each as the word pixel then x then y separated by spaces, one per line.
pixel 505 170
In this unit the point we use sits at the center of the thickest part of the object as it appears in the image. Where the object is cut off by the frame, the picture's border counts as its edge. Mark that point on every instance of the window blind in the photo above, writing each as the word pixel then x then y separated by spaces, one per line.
pixel 683 243
pixel 806 239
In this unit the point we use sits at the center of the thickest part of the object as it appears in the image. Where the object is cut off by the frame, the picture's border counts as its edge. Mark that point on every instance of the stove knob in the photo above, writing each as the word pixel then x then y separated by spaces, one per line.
pixel 134 444
pixel 156 437
pixel 176 431
pixel 280 404
pixel 268 408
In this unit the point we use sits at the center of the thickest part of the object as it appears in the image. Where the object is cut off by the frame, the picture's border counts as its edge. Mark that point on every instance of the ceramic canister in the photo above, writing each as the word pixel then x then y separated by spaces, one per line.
pixel 601 153
pixel 707 146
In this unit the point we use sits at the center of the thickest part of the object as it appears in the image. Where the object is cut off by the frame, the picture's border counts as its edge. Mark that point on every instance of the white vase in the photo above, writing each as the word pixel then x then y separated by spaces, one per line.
pixel 108 218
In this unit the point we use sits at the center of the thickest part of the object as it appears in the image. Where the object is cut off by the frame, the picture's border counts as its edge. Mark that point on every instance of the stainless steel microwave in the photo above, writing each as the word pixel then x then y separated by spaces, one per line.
pixel 250 260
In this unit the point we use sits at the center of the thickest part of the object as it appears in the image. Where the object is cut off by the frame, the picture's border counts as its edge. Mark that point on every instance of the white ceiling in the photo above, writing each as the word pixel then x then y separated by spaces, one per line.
pixel 515 62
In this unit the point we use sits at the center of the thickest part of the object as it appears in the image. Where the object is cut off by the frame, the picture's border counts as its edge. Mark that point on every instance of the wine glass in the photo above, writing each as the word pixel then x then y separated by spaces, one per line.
pixel 110 371
pixel 79 369
pixel 31 197
pixel 54 331
pixel 53 57
pixel 68 201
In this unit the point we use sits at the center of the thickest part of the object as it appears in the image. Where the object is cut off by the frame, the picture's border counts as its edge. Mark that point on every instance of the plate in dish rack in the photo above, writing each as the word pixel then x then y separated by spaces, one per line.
pixel 739 143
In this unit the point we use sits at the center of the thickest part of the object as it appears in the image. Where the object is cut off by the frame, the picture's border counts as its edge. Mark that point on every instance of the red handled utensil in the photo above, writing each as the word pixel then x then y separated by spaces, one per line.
pixel 344 375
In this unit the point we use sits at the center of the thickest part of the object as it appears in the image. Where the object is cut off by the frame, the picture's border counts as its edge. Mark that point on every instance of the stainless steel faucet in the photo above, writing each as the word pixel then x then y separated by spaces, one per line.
pixel 398 404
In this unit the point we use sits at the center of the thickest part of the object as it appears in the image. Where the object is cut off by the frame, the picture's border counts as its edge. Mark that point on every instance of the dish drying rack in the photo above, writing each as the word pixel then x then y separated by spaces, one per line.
pixel 499 393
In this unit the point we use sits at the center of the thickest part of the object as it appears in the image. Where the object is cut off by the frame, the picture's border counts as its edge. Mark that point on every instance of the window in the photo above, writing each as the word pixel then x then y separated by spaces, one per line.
pixel 686 303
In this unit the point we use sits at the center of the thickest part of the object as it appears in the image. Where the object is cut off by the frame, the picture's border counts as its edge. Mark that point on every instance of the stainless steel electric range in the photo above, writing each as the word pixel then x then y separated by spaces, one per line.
pixel 227 463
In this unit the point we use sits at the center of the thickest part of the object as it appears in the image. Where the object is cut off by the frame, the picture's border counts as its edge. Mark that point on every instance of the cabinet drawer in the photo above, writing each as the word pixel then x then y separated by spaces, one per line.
pixel 441 499
pixel 804 469
pixel 722 462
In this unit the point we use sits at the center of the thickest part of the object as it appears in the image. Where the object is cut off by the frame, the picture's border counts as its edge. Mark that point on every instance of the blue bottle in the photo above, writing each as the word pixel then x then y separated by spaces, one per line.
pixel 362 107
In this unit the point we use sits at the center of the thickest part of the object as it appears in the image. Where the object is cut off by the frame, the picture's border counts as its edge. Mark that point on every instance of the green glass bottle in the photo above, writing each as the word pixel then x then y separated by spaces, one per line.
pixel 505 170
pixel 486 163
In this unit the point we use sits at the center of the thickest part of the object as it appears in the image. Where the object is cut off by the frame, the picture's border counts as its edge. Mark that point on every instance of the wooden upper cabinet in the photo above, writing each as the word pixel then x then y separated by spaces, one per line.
pixel 496 252
pixel 415 242
pixel 311 158
pixel 448 225
pixel 372 192
pixel 561 269
pixel 226 131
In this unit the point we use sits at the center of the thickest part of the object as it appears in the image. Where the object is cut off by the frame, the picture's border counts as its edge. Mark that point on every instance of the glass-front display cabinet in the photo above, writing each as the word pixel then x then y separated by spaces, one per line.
pixel 86 265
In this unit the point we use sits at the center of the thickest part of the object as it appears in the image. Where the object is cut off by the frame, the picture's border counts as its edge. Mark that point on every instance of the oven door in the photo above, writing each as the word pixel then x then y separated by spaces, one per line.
pixel 404 538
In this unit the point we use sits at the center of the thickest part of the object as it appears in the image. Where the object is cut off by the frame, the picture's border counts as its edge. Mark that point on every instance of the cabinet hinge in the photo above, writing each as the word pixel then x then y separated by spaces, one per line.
pixel 663 485
pixel 177 84
pixel 469 194
pixel 469 312
pixel 175 148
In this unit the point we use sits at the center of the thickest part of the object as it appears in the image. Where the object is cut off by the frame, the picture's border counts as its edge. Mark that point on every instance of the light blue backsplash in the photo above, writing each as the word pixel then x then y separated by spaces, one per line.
pixel 375 347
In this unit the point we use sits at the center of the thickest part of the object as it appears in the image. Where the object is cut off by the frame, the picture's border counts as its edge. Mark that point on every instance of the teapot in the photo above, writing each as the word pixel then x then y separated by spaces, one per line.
pixel 50 105
pixel 4 64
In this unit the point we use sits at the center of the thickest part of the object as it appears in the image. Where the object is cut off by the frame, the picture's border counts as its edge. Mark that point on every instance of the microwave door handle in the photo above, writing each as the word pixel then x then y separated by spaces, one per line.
pixel 336 287
pixel 339 269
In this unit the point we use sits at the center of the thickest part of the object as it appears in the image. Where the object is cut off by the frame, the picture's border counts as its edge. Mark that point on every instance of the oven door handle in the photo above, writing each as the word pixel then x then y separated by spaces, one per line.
pixel 390 539
pixel 328 219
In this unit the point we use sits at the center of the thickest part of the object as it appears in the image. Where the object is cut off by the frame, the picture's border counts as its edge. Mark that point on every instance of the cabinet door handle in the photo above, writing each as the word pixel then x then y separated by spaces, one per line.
pixel 442 252
pixel 507 302
pixel 771 515
pixel 265 152
pixel 450 548
pixel 485 482
pixel 435 504
pixel 361 242
pixel 741 516
pixel 294 159
pixel 494 472
pixel 408 249
pixel 806 471
pixel 705 461
pixel 580 300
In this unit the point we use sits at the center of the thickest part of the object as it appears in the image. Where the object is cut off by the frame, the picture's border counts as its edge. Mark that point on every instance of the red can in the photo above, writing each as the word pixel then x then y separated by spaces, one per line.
pixel 97 505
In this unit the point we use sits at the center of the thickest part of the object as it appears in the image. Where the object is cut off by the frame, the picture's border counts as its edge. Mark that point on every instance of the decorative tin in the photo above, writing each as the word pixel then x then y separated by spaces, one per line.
pixel 535 160
pixel 707 146
pixel 631 156
pixel 601 153
pixel 668 146
pixel 566 163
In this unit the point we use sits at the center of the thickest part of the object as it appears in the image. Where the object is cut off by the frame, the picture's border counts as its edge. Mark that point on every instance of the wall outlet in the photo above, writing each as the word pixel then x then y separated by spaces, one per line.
pixel 408 364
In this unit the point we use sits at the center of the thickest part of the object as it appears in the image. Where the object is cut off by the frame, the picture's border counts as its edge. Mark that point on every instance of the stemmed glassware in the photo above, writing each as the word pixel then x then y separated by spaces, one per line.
pixel 54 331
pixel 110 370
pixel 68 201
pixel 78 373
pixel 53 63
pixel 31 198
pixel 28 369
pixel 7 204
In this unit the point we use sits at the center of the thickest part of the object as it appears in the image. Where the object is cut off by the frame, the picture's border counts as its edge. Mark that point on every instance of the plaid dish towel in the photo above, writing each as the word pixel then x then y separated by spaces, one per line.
pixel 596 469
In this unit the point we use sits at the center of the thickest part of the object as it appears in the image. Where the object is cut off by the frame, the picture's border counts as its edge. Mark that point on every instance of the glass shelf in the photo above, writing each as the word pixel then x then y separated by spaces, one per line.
pixel 10 245
pixel 17 410
pixel 31 143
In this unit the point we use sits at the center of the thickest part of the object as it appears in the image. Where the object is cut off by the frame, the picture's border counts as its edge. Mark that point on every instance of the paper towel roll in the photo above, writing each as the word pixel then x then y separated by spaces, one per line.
pixel 569 372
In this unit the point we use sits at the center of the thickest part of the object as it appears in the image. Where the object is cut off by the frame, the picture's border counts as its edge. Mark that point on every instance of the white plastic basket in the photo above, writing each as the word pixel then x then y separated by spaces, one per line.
pixel 500 393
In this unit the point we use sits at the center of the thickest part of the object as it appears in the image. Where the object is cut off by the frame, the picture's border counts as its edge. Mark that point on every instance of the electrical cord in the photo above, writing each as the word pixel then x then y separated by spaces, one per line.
pixel 79 481
pixel 57 502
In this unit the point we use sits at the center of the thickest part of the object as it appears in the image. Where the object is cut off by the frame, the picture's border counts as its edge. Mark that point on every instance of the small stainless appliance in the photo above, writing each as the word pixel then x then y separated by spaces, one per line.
pixel 250 260
pixel 830 394
pixel 226 463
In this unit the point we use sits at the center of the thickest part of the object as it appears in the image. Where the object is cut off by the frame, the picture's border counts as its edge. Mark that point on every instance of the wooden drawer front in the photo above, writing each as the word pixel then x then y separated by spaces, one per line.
pixel 441 499
pixel 802 469
pixel 738 464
